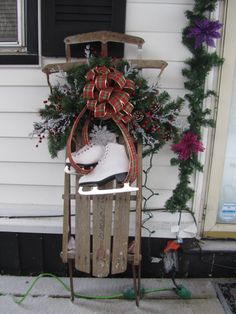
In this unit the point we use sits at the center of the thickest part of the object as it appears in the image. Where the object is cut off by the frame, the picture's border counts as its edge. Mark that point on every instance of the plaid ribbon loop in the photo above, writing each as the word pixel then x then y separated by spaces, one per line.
pixel 107 93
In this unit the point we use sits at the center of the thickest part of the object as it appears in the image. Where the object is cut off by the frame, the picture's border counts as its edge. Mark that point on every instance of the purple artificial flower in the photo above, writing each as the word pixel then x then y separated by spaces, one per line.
pixel 188 144
pixel 204 30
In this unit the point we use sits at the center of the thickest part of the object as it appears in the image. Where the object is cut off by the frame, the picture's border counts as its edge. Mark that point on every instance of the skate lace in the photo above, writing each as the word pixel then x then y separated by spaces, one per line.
pixel 85 148
pixel 101 161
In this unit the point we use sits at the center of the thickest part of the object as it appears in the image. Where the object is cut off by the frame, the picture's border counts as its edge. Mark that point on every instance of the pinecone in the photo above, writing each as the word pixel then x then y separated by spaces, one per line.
pixel 155 107
pixel 138 116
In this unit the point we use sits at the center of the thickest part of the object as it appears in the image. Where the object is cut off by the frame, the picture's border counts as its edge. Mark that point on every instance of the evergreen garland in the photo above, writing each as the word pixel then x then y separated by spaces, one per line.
pixel 154 114
pixel 197 36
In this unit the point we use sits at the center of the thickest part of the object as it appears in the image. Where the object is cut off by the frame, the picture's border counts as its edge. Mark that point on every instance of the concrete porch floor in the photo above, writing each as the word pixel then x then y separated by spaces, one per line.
pixel 49 297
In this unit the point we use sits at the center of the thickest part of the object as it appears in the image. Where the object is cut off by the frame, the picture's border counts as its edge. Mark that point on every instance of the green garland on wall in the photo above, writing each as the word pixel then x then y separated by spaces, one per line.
pixel 200 33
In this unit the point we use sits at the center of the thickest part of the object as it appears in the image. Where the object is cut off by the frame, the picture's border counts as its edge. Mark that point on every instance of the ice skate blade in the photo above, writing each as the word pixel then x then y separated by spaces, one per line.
pixel 96 191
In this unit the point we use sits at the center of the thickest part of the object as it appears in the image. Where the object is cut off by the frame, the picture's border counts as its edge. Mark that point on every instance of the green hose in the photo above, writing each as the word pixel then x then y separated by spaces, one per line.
pixel 128 293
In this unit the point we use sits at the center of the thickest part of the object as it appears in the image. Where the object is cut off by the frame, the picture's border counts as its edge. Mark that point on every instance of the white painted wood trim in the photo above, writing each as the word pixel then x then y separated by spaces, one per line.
pixel 225 96
pixel 201 178
pixel 163 223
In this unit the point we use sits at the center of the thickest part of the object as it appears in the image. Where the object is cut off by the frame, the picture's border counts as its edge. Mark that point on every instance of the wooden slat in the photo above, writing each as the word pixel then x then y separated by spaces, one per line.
pixel 130 257
pixel 137 63
pixel 57 67
pixel 102 221
pixel 104 37
pixel 120 233
pixel 82 232
pixel 148 64
pixel 66 218
pixel 101 36
pixel 64 66
pixel 138 209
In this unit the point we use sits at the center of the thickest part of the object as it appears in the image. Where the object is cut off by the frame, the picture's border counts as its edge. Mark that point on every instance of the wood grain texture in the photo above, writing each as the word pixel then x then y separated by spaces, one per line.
pixel 82 232
pixel 138 218
pixel 66 218
pixel 120 233
pixel 104 37
pixel 102 227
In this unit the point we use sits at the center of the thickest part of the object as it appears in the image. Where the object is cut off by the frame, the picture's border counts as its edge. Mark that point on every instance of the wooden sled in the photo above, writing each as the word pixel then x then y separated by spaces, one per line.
pixel 102 222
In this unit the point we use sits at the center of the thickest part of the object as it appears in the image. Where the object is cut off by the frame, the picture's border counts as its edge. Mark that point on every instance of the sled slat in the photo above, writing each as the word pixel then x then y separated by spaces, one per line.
pixel 138 218
pixel 66 218
pixel 120 233
pixel 82 232
pixel 102 221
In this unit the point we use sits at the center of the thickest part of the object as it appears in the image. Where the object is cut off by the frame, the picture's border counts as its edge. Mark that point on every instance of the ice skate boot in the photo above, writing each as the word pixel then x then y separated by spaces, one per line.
pixel 113 165
pixel 88 156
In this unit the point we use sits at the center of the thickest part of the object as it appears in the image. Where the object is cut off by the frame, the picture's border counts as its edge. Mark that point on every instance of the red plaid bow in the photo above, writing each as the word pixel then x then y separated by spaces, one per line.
pixel 107 94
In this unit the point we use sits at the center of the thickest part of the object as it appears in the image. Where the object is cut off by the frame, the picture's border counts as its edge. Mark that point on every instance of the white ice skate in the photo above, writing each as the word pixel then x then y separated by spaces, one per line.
pixel 113 165
pixel 88 156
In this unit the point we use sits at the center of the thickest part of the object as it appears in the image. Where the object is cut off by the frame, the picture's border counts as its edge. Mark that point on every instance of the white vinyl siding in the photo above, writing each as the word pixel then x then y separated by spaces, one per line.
pixel 160 24
pixel 29 178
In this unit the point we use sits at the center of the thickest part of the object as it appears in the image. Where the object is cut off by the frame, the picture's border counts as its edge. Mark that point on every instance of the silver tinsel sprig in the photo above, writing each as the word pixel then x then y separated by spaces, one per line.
pixel 146 138
pixel 52 126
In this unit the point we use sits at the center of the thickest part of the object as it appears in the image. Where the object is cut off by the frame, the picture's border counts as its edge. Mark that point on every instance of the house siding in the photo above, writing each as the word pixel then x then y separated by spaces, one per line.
pixel 32 182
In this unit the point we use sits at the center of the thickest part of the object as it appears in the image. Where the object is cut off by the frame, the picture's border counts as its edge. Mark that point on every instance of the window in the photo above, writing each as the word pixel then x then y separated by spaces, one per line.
pixel 61 18
pixel 220 220
pixel 19 32
pixel 11 25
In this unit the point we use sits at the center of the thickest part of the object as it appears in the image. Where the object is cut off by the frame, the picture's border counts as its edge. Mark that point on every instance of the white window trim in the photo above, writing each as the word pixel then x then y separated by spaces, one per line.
pixel 201 179
pixel 211 227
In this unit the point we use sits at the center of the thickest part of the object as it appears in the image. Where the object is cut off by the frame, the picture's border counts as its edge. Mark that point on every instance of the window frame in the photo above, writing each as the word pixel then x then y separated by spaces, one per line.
pixel 26 52
pixel 11 46
pixel 211 227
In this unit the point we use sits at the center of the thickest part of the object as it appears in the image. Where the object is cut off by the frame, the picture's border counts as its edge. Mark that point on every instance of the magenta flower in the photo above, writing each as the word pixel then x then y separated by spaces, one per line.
pixel 188 144
pixel 204 31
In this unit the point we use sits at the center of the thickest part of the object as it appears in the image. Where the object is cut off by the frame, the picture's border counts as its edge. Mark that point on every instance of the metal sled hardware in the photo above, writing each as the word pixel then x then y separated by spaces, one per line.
pixel 96 191
pixel 69 170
